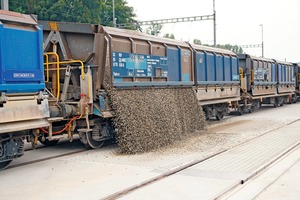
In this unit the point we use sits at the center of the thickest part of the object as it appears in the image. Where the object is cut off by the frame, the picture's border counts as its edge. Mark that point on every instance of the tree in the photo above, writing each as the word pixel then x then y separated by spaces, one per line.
pixel 87 11
pixel 196 41
pixel 235 48
pixel 154 29
pixel 76 11
pixel 60 10
pixel 171 36
pixel 124 14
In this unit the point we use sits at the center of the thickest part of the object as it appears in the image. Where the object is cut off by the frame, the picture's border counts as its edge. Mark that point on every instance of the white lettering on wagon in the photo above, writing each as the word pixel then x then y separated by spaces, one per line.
pixel 23 75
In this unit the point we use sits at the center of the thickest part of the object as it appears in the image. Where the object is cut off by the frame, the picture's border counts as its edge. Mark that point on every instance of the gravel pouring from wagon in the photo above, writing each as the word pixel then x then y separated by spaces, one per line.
pixel 147 119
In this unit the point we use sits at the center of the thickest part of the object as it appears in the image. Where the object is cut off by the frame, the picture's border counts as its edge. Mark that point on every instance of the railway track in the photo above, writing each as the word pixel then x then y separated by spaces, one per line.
pixel 187 166
pixel 45 158
pixel 28 159
pixel 268 175
pixel 43 153
pixel 136 176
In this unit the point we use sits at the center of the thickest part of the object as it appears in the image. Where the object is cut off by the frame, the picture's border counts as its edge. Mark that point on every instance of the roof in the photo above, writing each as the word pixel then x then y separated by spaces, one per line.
pixel 16 17
pixel 142 36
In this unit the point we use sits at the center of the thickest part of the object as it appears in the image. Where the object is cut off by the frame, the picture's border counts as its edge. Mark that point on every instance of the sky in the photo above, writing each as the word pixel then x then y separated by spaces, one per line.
pixel 238 23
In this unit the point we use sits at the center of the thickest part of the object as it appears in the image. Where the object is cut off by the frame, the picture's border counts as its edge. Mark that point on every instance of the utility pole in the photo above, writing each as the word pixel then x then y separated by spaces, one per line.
pixel 262 40
pixel 215 25
pixel 257 45
pixel 4 5
pixel 114 14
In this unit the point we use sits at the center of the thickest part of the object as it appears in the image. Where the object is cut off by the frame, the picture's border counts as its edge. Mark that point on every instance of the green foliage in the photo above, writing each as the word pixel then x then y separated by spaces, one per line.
pixel 60 10
pixel 124 14
pixel 87 11
pixel 196 41
pixel 171 36
pixel 235 48
pixel 154 29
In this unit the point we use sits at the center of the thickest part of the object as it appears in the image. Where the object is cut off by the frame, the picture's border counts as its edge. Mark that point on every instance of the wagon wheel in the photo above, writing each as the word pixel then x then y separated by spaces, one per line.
pixel 4 165
pixel 251 109
pixel 276 103
pixel 241 110
pixel 207 114
pixel 219 116
pixel 89 142
pixel 207 117
pixel 94 144
pixel 295 100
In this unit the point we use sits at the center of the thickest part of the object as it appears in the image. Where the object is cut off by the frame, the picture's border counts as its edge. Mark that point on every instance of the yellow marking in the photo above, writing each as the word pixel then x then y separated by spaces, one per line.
pixel 57 63
pixel 53 26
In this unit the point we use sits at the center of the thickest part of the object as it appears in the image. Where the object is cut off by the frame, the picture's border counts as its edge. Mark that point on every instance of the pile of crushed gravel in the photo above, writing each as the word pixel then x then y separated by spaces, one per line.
pixel 147 119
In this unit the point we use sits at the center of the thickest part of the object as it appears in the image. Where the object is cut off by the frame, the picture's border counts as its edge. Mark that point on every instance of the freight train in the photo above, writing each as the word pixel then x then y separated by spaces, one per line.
pixel 55 79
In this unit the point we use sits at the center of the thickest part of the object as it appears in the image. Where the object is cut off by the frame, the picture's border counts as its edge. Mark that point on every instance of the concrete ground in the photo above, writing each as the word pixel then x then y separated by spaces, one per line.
pixel 96 174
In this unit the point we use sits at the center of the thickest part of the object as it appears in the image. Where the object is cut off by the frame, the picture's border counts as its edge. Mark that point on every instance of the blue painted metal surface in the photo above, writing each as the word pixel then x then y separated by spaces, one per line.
pixel 148 84
pixel 174 64
pixel 234 69
pixel 285 73
pixel 138 65
pixel 228 72
pixel 215 68
pixel 167 68
pixel 274 72
pixel 200 65
pixel 21 60
pixel 210 67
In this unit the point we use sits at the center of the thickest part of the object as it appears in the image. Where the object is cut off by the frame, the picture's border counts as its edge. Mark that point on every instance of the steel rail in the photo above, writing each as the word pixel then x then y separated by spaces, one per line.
pixel 169 173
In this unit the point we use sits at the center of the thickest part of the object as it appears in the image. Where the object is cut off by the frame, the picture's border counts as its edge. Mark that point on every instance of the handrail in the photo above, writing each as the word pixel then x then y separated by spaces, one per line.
pixel 47 68
pixel 57 69
pixel 57 63
pixel 241 71
pixel 89 87
pixel 242 83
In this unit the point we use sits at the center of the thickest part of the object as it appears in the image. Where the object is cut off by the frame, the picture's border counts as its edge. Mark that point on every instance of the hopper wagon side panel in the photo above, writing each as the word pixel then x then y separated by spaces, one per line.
pixel 286 78
pixel 140 60
pixel 217 75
